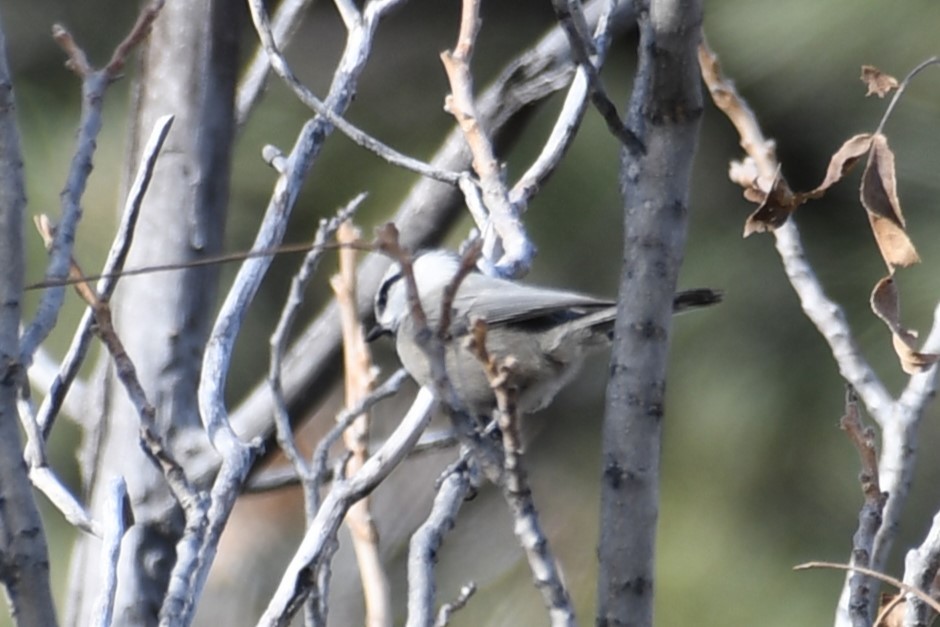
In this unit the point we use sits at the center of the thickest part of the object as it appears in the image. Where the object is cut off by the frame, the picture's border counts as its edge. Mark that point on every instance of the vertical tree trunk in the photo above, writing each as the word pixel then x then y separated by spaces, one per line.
pixel 664 112
pixel 188 69
pixel 24 556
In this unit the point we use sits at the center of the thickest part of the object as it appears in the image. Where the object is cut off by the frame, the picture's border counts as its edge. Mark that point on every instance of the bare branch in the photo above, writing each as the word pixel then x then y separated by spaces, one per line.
pixel 823 312
pixel 318 542
pixel 860 602
pixel 900 585
pixel 23 543
pixel 127 374
pixel 422 217
pixel 515 483
pixel 359 378
pixel 237 457
pixel 287 19
pixel 138 33
pixel 921 565
pixel 112 534
pixel 899 418
pixel 453 490
pixel 73 359
pixel 349 13
pixel 284 476
pixel 45 480
pixel 506 245
pixel 448 609
pixel 361 31
pixel 292 307
pixel 566 126
pixel 285 438
pixel 390 387
pixel 43 373
pixel 572 21
pixel 94 86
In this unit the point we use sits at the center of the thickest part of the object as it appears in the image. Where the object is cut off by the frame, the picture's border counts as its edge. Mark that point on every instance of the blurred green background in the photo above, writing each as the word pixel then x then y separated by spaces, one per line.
pixel 756 474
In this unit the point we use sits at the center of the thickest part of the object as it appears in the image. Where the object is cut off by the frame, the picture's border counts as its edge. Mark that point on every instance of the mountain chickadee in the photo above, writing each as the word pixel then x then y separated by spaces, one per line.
pixel 548 331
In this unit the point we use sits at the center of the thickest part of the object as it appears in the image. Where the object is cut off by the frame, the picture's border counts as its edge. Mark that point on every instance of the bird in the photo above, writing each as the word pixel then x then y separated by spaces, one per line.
pixel 548 332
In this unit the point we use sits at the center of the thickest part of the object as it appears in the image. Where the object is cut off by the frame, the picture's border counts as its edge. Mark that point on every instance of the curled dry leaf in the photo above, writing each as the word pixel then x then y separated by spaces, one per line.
pixel 878 82
pixel 879 195
pixel 842 161
pixel 886 303
pixel 777 206
pixel 774 207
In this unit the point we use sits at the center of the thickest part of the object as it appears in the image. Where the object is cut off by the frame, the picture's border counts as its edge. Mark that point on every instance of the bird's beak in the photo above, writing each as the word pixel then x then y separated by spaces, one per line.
pixel 376 332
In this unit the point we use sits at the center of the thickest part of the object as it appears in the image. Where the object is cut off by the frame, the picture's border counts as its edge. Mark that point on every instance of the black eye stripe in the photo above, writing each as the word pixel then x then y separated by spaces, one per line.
pixel 381 300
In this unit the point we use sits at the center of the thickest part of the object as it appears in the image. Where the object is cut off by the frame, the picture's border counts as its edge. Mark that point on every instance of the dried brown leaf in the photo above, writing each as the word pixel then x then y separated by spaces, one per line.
pixel 912 361
pixel 886 303
pixel 842 161
pixel 878 82
pixel 775 207
pixel 879 196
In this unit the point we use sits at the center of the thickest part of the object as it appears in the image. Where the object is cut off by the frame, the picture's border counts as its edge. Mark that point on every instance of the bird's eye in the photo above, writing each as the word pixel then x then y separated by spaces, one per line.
pixel 381 299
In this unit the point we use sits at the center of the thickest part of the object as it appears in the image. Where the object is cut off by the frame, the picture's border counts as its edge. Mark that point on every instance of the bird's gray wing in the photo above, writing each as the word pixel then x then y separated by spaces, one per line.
pixel 505 302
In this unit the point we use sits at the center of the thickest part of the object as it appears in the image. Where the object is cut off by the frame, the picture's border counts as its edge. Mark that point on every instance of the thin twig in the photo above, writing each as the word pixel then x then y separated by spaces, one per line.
pixel 287 19
pixel 42 376
pixel 282 330
pixel 900 585
pixel 318 542
pixel 138 33
pixel 320 457
pixel 449 609
pixel 360 375
pixel 860 603
pixel 452 491
pixel 921 565
pixel 271 479
pixel 81 340
pixel 113 533
pixel 94 85
pixel 237 457
pixel 515 484
pixel 184 492
pixel 567 124
pixel 571 18
pixel 544 68
pixel 279 64
pixel 901 89
pixel 506 243
pixel 823 312
pixel 898 418
pixel 284 432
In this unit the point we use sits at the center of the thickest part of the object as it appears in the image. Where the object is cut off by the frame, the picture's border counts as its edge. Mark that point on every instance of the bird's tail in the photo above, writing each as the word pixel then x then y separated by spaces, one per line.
pixel 693 299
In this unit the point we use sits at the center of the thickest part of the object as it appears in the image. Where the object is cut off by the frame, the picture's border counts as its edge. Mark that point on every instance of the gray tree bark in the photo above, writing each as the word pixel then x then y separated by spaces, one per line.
pixel 24 556
pixel 188 69
pixel 664 112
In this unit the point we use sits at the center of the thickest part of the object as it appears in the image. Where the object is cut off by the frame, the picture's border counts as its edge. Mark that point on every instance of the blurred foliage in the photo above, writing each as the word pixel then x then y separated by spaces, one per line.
pixel 757 476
